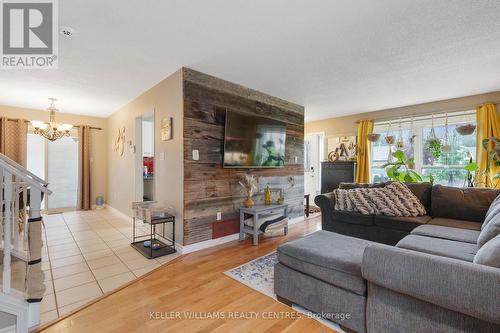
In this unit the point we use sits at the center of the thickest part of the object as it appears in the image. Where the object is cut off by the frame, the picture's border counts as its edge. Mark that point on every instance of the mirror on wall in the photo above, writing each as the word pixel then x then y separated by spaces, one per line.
pixel 145 157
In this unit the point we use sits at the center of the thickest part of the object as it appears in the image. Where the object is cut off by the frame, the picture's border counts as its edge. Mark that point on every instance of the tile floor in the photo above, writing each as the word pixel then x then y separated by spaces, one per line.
pixel 87 254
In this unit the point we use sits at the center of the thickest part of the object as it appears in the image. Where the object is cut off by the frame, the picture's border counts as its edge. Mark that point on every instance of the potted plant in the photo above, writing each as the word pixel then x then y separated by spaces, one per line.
pixel 477 177
pixel 249 185
pixel 435 147
pixel 401 170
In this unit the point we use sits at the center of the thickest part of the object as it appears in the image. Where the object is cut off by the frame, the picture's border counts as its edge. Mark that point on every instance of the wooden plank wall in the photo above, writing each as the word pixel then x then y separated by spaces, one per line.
pixel 208 187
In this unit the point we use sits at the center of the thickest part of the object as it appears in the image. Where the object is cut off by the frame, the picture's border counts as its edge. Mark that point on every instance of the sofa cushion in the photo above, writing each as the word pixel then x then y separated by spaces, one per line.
pixel 350 186
pixel 327 256
pixel 440 247
pixel 489 253
pixel 470 204
pixel 490 230
pixel 400 222
pixel 455 234
pixel 492 211
pixel 351 217
pixel 423 192
pixel 462 224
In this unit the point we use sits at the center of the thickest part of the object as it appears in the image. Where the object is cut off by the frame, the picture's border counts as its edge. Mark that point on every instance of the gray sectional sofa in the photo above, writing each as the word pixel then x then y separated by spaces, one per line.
pixel 437 278
pixel 447 206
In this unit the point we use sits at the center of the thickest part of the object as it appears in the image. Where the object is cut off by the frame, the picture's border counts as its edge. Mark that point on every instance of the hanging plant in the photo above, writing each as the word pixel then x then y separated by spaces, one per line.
pixel 446 147
pixel 373 137
pixel 466 129
pixel 434 146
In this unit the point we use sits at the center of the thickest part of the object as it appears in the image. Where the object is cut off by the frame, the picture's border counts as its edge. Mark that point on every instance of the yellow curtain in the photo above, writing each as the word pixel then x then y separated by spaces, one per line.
pixel 488 125
pixel 365 127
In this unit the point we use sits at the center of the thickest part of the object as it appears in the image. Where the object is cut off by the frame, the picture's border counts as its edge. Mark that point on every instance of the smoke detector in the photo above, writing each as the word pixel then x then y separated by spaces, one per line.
pixel 66 31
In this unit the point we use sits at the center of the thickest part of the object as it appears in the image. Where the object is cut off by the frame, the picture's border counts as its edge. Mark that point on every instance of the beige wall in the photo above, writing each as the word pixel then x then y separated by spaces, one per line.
pixel 347 124
pixel 166 100
pixel 99 159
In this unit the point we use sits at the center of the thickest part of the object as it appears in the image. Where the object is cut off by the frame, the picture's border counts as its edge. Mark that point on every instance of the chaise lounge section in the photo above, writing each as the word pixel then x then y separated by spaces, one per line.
pixel 435 278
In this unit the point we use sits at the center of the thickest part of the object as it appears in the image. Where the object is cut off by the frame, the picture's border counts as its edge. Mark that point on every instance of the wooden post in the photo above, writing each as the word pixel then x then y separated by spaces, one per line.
pixel 35 287
pixel 7 231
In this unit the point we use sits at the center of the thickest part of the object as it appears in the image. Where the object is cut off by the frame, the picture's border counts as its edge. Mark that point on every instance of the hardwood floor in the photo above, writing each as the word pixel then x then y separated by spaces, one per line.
pixel 195 284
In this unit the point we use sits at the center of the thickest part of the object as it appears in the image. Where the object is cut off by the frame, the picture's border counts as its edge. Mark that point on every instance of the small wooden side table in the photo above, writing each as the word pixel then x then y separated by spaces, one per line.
pixel 256 211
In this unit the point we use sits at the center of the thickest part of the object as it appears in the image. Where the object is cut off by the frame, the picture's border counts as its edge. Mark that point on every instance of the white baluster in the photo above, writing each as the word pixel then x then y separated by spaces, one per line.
pixel 15 213
pixel 7 231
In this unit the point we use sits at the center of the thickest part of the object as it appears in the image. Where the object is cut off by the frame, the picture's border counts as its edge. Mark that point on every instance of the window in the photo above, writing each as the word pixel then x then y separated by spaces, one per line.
pixel 412 134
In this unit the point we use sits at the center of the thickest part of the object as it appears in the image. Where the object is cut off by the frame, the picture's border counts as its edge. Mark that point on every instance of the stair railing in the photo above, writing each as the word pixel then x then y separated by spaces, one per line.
pixel 21 230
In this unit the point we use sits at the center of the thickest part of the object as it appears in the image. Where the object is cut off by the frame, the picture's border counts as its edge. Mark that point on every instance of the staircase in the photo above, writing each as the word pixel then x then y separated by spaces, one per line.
pixel 21 196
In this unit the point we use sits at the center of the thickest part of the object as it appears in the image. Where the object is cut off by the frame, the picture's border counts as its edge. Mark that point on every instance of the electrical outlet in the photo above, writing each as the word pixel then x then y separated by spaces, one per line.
pixel 219 216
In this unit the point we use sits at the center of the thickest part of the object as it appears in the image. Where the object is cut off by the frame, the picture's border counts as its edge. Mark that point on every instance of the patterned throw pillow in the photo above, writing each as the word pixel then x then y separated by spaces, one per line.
pixel 395 199
pixel 342 201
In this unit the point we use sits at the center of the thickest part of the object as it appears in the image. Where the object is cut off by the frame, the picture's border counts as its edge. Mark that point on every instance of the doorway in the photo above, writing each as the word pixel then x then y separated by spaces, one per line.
pixel 313 155
pixel 145 157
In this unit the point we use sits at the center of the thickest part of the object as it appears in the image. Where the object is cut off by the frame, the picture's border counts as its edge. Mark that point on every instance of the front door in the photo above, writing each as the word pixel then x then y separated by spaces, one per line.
pixel 313 155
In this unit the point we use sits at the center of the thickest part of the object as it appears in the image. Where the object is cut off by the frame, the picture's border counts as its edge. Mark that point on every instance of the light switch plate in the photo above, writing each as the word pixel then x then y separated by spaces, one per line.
pixel 219 216
pixel 196 155
pixel 162 156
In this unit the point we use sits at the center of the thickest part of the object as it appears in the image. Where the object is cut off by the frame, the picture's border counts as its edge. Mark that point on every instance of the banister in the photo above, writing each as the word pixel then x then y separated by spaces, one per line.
pixel 23 169
pixel 21 172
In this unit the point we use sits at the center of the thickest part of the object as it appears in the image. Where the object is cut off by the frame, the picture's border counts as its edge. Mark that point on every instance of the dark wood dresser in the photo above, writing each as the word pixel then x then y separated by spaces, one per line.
pixel 334 173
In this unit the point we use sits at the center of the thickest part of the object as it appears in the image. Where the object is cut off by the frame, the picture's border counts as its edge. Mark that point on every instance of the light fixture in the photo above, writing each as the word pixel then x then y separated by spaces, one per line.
pixel 51 130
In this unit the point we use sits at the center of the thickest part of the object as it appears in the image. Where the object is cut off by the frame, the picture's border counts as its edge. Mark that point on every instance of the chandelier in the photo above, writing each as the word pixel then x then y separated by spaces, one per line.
pixel 51 130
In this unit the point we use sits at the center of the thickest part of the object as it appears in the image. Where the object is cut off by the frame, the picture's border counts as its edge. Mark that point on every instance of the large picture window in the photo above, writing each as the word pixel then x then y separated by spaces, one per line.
pixel 412 136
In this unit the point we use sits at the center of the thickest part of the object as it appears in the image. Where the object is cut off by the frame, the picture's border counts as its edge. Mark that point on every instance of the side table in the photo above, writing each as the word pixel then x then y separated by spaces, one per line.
pixel 256 211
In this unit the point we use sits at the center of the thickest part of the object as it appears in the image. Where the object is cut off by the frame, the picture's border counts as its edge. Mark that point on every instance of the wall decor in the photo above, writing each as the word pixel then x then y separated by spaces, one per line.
pixel 342 148
pixel 166 129
pixel 119 141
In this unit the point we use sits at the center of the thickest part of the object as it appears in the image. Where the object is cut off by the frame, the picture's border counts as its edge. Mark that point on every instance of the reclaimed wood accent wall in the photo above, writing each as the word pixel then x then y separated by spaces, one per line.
pixel 208 187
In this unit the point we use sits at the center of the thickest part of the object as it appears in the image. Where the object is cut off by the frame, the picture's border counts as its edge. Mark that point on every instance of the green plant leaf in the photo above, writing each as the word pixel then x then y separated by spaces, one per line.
pixel 471 167
pixel 399 155
pixel 415 175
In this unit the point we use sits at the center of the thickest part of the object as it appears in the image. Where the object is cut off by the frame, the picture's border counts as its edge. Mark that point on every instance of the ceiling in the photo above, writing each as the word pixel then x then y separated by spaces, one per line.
pixel 334 57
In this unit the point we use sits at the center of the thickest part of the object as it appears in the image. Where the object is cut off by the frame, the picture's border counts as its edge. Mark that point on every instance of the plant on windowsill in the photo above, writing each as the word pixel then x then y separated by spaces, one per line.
pixel 482 178
pixel 401 170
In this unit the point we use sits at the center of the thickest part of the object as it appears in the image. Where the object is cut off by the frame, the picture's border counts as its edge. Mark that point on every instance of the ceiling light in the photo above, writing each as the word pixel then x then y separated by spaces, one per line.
pixel 51 130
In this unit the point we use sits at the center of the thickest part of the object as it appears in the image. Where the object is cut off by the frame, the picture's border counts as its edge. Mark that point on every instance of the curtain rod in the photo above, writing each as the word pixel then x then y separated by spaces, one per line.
pixel 406 119
pixel 461 109
pixel 27 121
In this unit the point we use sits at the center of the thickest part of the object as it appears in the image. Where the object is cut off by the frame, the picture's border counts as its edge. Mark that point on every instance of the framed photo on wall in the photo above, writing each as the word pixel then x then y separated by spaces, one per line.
pixel 166 129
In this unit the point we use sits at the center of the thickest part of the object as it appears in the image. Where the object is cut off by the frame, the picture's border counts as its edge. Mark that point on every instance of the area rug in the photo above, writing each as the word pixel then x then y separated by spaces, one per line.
pixel 258 274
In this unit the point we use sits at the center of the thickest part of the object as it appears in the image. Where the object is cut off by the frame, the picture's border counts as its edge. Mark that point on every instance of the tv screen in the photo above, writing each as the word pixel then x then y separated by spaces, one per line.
pixel 253 142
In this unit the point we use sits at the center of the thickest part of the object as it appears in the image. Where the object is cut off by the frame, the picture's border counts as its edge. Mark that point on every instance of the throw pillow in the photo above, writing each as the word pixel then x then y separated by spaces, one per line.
pixel 492 211
pixel 361 199
pixel 342 201
pixel 489 254
pixel 490 231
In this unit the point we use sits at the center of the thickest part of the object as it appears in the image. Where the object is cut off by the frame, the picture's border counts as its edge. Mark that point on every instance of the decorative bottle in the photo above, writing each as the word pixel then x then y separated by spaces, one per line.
pixel 267 196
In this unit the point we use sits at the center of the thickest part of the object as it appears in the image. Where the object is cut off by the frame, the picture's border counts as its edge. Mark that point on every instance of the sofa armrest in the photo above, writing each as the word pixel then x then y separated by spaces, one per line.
pixel 326 202
pixel 457 285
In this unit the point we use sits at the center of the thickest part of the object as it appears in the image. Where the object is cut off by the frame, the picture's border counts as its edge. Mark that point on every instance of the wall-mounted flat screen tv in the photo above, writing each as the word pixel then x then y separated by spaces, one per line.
pixel 253 142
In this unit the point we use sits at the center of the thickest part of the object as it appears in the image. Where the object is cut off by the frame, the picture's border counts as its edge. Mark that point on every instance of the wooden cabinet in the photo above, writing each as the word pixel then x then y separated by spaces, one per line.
pixel 334 173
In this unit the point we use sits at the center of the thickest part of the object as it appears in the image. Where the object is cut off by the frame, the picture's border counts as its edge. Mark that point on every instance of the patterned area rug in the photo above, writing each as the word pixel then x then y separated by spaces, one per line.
pixel 258 274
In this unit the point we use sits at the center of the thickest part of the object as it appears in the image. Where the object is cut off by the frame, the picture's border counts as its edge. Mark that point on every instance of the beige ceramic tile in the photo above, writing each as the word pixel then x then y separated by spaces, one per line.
pixel 69 270
pixel 98 254
pixel 48 303
pixel 139 263
pixel 73 281
pixel 67 246
pixel 93 247
pixel 115 269
pixel 113 282
pixel 64 253
pixel 64 310
pixel 48 316
pixel 103 261
pixel 76 294
pixel 56 263
pixel 141 271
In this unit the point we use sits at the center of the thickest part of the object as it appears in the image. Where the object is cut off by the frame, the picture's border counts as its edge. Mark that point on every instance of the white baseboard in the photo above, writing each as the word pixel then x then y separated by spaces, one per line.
pixel 209 243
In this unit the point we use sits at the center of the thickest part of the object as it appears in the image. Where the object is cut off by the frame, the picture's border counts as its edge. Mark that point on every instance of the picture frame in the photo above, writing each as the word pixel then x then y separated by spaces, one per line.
pixel 166 129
